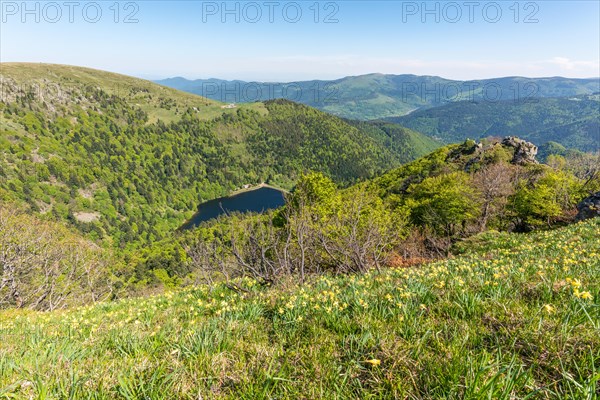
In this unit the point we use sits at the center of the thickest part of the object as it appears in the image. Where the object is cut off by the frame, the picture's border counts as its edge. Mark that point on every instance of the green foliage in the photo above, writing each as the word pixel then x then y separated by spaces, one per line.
pixel 315 189
pixel 165 279
pixel 539 203
pixel 398 180
pixel 444 202
pixel 439 193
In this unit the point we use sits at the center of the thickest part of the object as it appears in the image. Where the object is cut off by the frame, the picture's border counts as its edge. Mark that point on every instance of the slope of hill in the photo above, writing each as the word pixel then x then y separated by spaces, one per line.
pixel 377 96
pixel 404 142
pixel 130 159
pixel 63 86
pixel 517 316
pixel 571 121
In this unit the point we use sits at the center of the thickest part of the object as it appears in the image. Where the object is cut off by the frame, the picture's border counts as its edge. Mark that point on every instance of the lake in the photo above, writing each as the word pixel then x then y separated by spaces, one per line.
pixel 257 200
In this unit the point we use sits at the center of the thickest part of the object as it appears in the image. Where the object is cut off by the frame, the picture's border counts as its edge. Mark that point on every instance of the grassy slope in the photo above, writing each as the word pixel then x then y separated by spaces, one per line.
pixel 138 92
pixel 512 317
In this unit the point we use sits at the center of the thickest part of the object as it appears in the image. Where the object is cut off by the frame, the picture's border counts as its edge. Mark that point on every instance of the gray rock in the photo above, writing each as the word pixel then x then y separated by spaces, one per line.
pixel 589 207
pixel 525 152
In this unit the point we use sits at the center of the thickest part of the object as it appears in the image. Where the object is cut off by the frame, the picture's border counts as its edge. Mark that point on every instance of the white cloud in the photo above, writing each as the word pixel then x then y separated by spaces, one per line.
pixel 304 67
pixel 567 64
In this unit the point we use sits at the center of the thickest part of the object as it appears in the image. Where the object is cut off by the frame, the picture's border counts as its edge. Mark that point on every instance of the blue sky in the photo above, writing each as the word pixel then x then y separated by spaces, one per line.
pixel 285 40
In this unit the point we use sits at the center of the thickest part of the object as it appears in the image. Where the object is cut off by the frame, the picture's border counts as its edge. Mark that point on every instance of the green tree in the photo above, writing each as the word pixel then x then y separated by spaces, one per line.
pixel 445 203
pixel 540 202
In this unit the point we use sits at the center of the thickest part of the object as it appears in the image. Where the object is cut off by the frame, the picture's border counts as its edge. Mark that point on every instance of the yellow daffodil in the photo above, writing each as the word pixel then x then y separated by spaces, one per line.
pixel 549 309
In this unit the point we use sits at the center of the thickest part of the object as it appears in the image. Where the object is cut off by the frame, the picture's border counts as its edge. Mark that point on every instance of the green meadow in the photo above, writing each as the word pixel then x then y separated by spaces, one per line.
pixel 514 316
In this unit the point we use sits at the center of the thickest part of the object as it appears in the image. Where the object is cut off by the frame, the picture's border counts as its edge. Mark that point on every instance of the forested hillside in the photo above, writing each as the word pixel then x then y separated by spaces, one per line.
pixel 127 160
pixel 126 179
pixel 572 121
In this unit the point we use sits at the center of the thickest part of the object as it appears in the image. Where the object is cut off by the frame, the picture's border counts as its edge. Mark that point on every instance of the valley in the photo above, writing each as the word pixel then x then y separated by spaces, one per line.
pixel 145 156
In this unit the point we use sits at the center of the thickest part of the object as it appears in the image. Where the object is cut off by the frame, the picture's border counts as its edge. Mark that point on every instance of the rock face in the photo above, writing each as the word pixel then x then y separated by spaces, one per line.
pixel 525 152
pixel 589 207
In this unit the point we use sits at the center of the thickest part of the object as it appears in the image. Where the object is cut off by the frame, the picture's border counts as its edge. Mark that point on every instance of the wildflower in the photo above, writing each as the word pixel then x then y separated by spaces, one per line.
pixel 586 295
pixel 582 295
pixel 576 283
pixel 549 309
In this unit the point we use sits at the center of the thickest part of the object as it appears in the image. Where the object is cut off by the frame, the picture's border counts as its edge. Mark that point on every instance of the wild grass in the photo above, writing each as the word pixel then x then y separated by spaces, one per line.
pixel 517 316
pixel 148 96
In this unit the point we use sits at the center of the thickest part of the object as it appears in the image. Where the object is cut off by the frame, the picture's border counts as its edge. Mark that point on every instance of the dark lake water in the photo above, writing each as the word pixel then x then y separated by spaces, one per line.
pixel 257 200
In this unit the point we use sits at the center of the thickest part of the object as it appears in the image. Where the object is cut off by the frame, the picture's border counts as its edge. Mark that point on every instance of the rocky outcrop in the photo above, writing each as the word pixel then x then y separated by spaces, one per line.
pixel 589 207
pixel 525 152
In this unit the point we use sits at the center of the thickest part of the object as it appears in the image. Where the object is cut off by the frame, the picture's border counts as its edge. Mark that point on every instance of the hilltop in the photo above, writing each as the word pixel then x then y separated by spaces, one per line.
pixel 128 160
pixel 64 86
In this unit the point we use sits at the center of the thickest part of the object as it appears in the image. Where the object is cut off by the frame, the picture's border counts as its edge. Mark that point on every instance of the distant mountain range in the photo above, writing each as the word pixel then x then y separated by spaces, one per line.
pixel 377 96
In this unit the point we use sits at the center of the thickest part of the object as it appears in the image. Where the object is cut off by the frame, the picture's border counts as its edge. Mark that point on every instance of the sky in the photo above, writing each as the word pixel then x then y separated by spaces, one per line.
pixel 300 40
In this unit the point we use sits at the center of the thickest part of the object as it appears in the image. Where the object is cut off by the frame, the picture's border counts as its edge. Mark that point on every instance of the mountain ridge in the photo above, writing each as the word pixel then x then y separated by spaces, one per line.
pixel 376 96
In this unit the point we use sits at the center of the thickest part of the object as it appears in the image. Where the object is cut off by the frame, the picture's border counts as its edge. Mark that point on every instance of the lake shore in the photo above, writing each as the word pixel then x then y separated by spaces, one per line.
pixel 256 187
